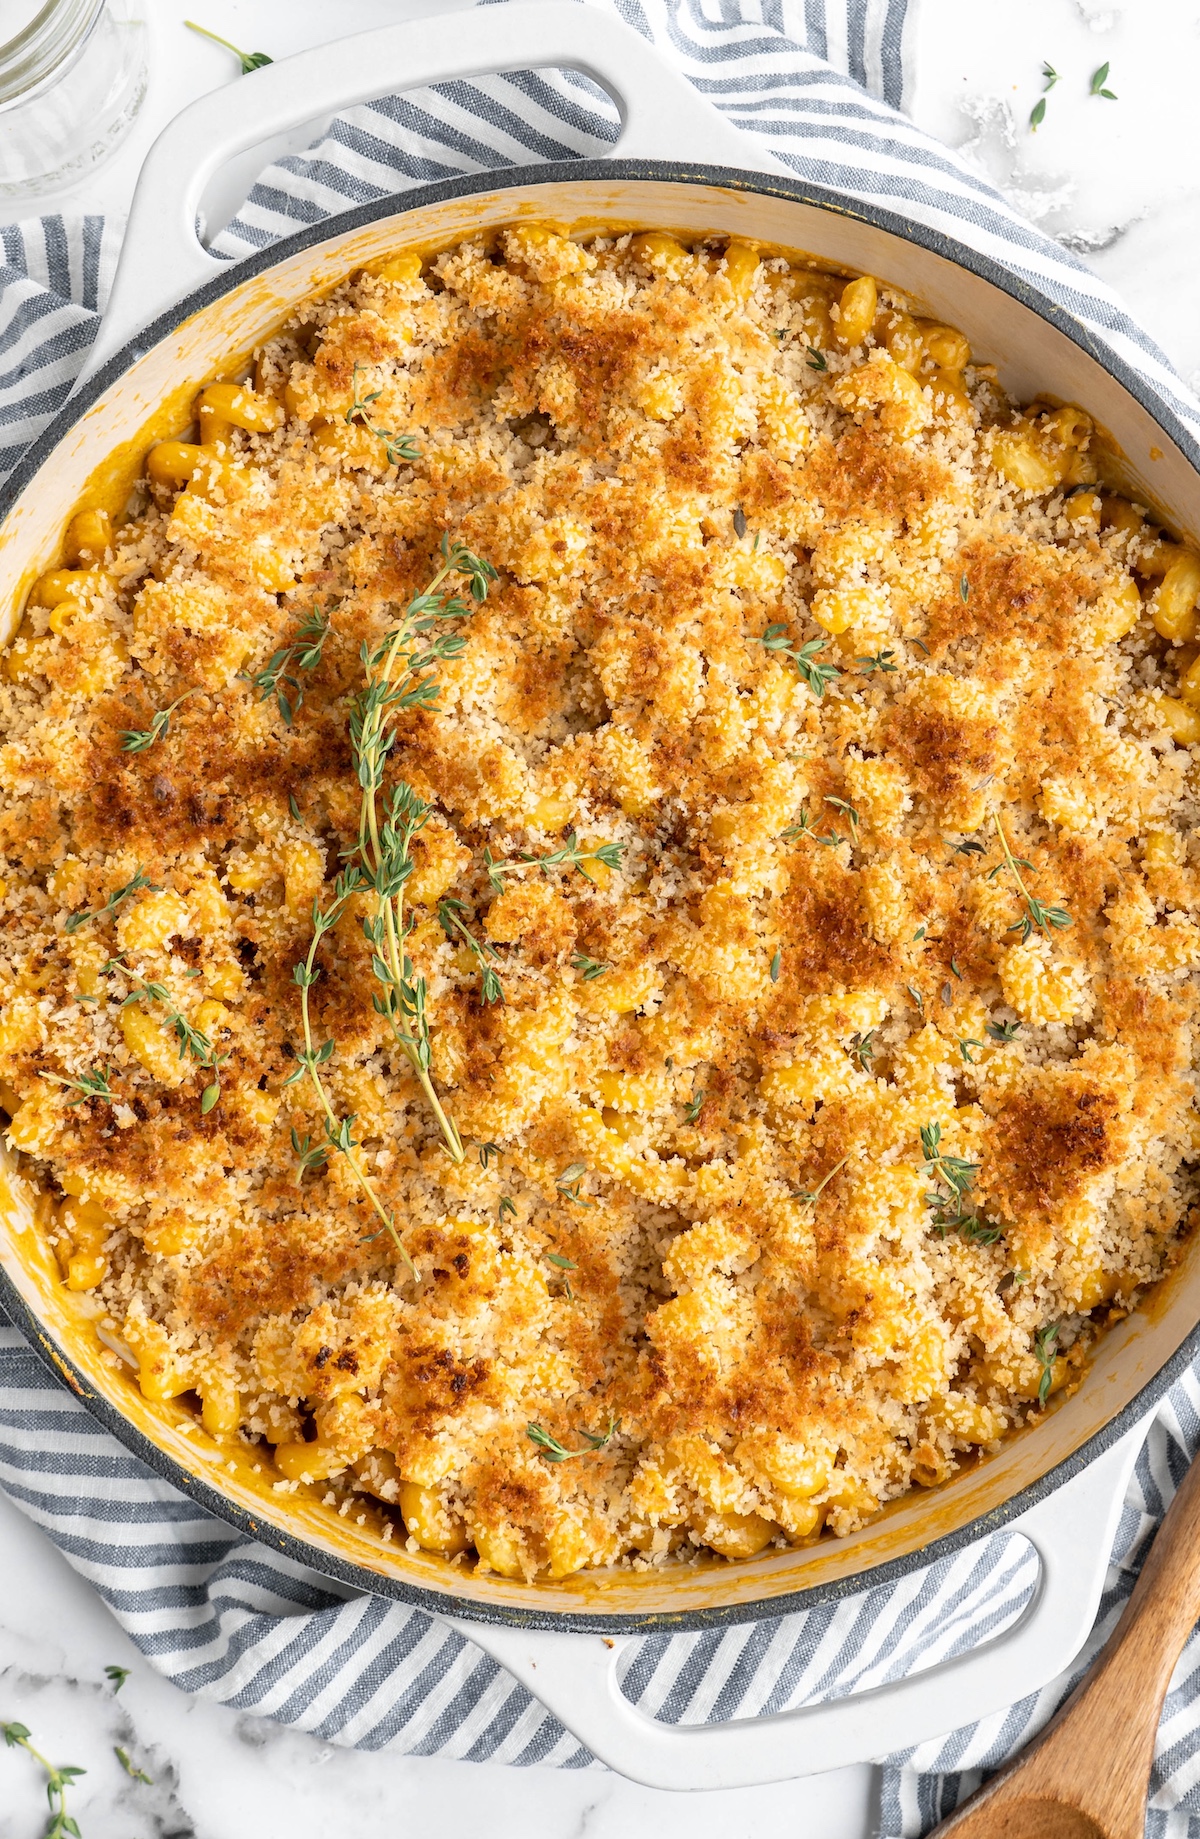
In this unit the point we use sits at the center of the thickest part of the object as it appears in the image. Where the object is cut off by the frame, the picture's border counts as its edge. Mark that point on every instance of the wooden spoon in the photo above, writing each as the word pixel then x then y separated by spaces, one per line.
pixel 1086 1776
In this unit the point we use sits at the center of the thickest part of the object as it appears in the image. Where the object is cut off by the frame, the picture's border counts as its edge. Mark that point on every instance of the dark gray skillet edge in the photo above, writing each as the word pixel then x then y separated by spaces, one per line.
pixel 58 1361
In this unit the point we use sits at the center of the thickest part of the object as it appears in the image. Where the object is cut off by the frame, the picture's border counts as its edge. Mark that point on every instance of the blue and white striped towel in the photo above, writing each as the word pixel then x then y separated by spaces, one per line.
pixel 820 81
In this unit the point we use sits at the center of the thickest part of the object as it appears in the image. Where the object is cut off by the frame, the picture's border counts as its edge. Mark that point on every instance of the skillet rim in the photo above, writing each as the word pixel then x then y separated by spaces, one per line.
pixel 56 1358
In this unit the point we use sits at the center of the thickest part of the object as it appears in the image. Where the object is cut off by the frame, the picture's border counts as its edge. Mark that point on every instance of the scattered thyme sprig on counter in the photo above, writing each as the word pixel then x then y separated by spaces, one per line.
pixel 1036 912
pixel 134 740
pixel 58 1780
pixel 554 1451
pixel 491 988
pixel 130 1768
pixel 303 654
pixel 816 675
pixel 401 449
pixel 134 886
pixel 571 855
pixel 249 60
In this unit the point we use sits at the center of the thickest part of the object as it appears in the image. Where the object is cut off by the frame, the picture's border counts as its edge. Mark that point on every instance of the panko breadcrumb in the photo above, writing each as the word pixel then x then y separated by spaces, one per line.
pixel 835 1084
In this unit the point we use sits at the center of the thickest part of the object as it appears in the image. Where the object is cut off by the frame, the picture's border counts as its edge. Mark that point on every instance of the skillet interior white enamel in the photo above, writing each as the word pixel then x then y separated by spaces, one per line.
pixel 1039 349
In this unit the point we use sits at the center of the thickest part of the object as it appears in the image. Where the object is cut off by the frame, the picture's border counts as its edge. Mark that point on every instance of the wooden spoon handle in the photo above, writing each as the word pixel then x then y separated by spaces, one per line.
pixel 1095 1755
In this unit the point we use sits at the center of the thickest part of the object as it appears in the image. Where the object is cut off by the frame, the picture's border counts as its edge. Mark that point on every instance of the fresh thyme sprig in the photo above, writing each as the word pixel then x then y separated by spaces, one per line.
pixel 192 1041
pixel 571 855
pixel 1099 79
pixel 1044 1344
pixel 278 674
pixel 398 676
pixel 805 659
pixel 338 1130
pixel 135 886
pixel 554 1451
pixel 696 1107
pixel 840 804
pixel 809 1197
pixel 1036 914
pixel 958 1175
pixel 1003 1031
pixel 803 827
pixel 399 448
pixel 816 359
pixel 116 1676
pixel 564 1265
pixel 134 1773
pixel 589 968
pixel 568 1184
pixel 88 1085
pixel 134 740
pixel 491 988
pixel 58 1780
pixel 882 661
pixel 862 1050
pixel 249 60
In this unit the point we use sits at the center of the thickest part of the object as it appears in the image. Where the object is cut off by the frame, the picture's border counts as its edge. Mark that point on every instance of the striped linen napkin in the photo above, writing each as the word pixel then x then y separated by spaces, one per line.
pixel 821 82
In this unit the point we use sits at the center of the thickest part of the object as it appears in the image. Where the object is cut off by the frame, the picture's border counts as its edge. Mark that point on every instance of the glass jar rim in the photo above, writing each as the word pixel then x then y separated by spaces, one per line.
pixel 41 51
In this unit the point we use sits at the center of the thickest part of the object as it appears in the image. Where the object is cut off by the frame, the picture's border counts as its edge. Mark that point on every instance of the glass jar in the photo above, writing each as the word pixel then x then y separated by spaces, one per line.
pixel 71 82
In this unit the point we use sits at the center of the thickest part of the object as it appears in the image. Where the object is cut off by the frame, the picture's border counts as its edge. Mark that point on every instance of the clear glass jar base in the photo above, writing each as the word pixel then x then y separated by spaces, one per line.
pixel 35 186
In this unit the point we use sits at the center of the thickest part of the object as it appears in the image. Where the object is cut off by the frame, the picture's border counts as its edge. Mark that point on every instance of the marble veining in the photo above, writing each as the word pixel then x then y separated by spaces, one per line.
pixel 1116 183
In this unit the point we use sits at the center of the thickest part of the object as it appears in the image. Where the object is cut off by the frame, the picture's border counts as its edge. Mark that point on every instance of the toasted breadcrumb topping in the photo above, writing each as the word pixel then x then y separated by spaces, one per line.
pixel 835 1085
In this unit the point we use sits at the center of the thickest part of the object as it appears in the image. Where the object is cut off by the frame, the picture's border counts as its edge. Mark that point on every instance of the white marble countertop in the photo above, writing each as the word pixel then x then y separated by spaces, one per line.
pixel 1114 180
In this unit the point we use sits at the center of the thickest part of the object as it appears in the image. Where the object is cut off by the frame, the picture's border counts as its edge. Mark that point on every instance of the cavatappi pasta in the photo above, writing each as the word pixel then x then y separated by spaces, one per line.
pixel 787 1067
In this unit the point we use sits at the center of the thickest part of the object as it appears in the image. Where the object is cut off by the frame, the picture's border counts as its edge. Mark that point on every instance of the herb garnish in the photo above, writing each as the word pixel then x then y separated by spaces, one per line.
pixel 571 855
pixel 491 988
pixel 139 881
pixel 1099 79
pixel 958 1175
pixel 589 968
pixel 486 1152
pixel 1003 1031
pixel 399 448
pixel 554 1451
pixel 383 852
pixel 776 965
pixel 816 359
pixel 137 1775
pixel 1044 1343
pixel 739 522
pixel 972 847
pixel 507 1206
pixel 249 60
pixel 116 1676
pixel 88 1085
pixel 134 740
pixel 964 1048
pixel 1038 113
pixel 840 804
pixel 696 1107
pixel 192 1040
pixel 1037 914
pixel 862 1050
pixel 808 1197
pixel 564 1265
pixel 303 654
pixel 964 589
pixel 882 660
pixel 815 675
pixel 917 997
pixel 568 1183
pixel 58 1780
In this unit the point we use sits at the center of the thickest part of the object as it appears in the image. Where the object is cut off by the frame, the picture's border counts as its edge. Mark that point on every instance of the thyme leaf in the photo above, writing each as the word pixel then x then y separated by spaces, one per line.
pixel 1099 79
pixel 1044 1343
pixel 862 1050
pixel 399 448
pixel 809 1197
pixel 696 1107
pixel 116 1676
pixel 491 988
pixel 1003 1031
pixel 589 968
pixel 249 60
pixel 554 1451
pixel 88 1085
pixel 568 1184
pixel 135 1774
pixel 1036 912
pixel 58 1780
pixel 134 886
pixel 882 661
pixel 134 740
pixel 805 659
pixel 571 855
pixel 278 674
pixel 816 359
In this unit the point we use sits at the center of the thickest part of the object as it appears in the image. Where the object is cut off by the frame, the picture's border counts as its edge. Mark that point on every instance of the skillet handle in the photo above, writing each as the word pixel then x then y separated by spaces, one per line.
pixel 662 117
pixel 576 1676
